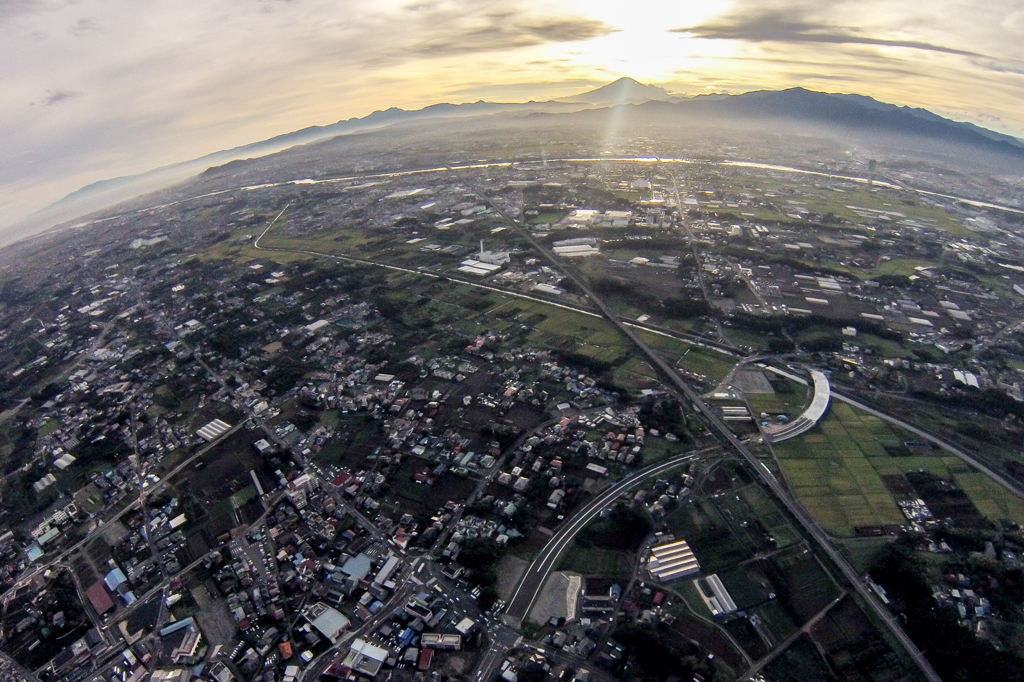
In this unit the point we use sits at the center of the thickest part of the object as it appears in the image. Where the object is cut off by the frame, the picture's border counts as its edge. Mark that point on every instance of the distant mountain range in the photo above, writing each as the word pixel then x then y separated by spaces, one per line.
pixel 793 106
pixel 849 111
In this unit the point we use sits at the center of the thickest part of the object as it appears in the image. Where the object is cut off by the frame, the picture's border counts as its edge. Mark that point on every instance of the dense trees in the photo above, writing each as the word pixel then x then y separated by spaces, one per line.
pixel 624 529
pixel 953 650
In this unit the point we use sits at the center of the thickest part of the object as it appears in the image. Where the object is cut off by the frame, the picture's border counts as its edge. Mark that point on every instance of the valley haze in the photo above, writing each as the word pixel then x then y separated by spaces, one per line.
pixel 767 112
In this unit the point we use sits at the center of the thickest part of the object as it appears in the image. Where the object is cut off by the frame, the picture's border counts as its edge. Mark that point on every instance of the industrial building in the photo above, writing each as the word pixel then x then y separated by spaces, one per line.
pixel 213 430
pixel 672 560
pixel 715 595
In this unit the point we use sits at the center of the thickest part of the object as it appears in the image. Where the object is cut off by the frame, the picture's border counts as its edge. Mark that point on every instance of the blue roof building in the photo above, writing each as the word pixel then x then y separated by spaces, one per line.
pixel 115 579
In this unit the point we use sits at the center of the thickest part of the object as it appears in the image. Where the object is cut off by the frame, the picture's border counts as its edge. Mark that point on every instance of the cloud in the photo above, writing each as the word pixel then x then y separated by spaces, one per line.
pixel 58 97
pixel 505 32
pixel 1000 67
pixel 443 30
pixel 790 25
pixel 9 8
pixel 84 26
pixel 1014 22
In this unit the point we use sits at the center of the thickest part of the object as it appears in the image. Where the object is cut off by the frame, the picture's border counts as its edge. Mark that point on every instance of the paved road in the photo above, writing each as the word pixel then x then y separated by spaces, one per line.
pixel 920 433
pixel 684 390
pixel 808 523
pixel 533 579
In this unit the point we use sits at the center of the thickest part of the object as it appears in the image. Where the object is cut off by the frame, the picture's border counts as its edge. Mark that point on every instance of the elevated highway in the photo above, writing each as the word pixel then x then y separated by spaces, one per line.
pixel 809 417
pixel 802 516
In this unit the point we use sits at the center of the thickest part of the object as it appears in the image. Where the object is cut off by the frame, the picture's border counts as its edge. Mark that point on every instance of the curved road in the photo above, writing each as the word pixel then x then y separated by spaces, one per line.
pixel 920 433
pixel 683 389
pixel 810 526
pixel 533 580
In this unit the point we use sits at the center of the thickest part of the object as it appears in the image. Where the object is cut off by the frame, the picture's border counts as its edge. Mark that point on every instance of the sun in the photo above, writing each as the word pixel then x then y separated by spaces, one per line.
pixel 643 44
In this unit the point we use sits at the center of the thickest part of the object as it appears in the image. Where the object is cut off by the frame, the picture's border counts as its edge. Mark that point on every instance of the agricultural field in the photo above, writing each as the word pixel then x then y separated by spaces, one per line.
pixel 994 502
pixel 689 357
pixel 752 509
pixel 832 471
pixel 854 648
pixel 849 470
pixel 714 541
pixel 801 662
pixel 804 587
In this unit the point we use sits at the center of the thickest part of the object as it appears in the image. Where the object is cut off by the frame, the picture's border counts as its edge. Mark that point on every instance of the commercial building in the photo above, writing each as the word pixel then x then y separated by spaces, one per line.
pixel 433 640
pixel 365 658
pixel 328 621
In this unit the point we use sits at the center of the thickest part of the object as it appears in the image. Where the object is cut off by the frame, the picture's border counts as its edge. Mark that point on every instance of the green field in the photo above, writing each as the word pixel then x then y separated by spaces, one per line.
pixel 693 599
pixel 780 402
pixel 714 541
pixel 751 502
pixel 547 218
pixel 48 427
pixel 775 619
pixel 715 366
pixel 593 337
pixel 900 266
pixel 861 551
pixel 835 471
pixel 993 501
pixel 745 591
pixel 804 586
pixel 832 471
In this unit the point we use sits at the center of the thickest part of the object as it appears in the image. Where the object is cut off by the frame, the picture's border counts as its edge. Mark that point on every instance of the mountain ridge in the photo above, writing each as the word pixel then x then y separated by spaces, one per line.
pixel 625 90
pixel 834 110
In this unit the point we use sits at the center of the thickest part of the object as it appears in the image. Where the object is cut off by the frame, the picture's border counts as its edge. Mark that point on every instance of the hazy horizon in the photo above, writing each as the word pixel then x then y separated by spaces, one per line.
pixel 103 90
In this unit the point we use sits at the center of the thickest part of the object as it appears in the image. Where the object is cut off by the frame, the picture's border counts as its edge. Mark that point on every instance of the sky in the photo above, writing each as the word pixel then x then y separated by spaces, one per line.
pixel 95 89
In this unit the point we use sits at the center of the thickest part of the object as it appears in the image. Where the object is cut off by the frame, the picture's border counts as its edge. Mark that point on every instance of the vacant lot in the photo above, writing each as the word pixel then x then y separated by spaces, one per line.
pixel 595 561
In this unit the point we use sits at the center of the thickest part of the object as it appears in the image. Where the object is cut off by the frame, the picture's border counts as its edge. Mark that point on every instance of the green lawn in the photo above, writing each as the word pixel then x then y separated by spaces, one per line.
pixel 547 218
pixel 48 427
pixel 900 266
